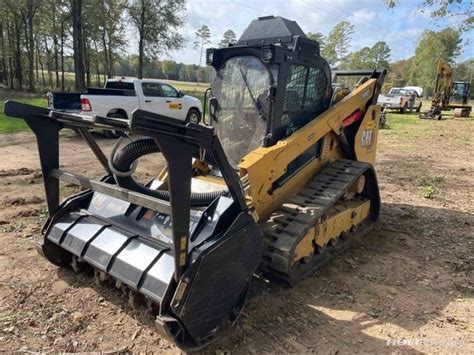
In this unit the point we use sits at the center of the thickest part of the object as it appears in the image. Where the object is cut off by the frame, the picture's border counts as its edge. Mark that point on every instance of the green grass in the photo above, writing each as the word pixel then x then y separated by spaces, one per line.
pixel 189 87
pixel 430 185
pixel 10 125
pixel 409 125
pixel 192 89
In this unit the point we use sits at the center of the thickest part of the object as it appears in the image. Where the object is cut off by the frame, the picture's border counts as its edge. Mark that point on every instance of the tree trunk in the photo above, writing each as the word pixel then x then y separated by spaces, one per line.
pixel 106 55
pixel 141 43
pixel 62 56
pixel 87 61
pixel 37 63
pixel 97 66
pixel 78 44
pixel 10 59
pixel 200 60
pixel 4 63
pixel 140 58
pixel 38 55
pixel 55 44
pixel 30 13
pixel 49 62
pixel 18 69
pixel 111 64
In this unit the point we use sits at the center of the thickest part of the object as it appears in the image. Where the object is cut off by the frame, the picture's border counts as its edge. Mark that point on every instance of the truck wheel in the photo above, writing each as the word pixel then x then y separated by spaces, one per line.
pixel 419 107
pixel 404 108
pixel 112 133
pixel 194 116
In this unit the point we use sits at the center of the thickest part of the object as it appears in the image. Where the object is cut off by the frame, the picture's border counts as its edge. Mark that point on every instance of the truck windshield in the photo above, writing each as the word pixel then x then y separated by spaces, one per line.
pixel 241 86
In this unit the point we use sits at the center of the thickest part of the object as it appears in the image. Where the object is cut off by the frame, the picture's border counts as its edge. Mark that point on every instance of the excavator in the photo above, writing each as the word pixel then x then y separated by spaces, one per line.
pixel 277 180
pixel 448 95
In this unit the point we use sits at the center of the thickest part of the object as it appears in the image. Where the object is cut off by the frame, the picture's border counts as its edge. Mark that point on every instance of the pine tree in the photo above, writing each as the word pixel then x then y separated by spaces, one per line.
pixel 229 38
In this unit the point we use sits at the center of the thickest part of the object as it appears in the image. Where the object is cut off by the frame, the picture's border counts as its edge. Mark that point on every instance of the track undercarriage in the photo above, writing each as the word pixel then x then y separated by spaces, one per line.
pixel 339 204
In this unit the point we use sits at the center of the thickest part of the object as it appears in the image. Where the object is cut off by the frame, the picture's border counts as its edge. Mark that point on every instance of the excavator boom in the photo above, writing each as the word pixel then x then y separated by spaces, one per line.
pixel 448 94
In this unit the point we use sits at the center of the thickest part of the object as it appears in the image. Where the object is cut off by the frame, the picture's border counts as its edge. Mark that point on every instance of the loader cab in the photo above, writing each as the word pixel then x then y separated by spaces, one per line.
pixel 269 84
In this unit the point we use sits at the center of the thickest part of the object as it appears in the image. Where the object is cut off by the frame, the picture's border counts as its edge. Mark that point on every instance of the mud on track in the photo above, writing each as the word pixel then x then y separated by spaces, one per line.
pixel 410 279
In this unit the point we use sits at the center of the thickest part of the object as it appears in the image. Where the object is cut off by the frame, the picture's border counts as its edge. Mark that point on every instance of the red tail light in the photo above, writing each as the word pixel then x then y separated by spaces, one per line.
pixel 86 105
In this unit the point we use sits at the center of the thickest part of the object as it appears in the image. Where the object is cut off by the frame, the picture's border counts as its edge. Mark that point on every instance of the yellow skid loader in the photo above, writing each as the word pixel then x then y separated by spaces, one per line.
pixel 279 178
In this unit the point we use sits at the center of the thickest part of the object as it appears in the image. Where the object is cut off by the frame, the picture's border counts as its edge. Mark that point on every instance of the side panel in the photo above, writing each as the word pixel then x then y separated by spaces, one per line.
pixel 365 144
pixel 101 105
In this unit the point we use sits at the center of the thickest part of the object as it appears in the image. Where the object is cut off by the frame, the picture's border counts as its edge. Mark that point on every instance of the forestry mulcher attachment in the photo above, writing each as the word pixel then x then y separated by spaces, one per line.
pixel 279 177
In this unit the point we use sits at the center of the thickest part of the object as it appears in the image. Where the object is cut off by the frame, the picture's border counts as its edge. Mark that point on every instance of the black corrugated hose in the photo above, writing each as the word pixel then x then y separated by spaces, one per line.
pixel 123 160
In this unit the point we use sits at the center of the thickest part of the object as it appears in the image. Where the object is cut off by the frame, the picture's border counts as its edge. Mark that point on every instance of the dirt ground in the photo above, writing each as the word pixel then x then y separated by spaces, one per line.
pixel 407 287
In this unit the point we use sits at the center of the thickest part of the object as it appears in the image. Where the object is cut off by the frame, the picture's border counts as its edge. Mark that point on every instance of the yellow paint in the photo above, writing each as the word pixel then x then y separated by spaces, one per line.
pixel 180 291
pixel 343 217
pixel 305 247
pixel 365 150
pixel 263 166
pixel 183 243
pixel 182 259
pixel 352 213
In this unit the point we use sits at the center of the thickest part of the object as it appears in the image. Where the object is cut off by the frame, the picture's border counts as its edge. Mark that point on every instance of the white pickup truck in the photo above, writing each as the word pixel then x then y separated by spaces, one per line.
pixel 403 99
pixel 121 97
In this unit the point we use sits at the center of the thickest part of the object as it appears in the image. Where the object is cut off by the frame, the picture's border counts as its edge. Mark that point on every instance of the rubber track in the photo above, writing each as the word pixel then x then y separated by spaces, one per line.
pixel 288 225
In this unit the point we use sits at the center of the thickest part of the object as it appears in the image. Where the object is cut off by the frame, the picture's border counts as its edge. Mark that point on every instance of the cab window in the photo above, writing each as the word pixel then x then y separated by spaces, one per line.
pixel 151 89
pixel 168 91
pixel 304 96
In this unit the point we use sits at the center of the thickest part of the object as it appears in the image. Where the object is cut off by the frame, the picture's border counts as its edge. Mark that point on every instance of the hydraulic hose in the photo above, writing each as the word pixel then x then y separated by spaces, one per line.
pixel 123 164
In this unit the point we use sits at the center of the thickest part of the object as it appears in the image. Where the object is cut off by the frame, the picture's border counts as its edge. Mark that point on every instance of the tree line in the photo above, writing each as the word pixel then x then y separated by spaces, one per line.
pixel 38 37
pixel 42 41
pixel 418 70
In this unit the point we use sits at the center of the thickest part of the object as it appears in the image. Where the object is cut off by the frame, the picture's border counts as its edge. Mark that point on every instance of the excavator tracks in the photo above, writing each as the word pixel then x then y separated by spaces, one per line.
pixel 329 192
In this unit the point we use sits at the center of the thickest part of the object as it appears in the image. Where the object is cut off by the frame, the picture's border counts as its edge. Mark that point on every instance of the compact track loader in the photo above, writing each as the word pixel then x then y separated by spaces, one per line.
pixel 279 178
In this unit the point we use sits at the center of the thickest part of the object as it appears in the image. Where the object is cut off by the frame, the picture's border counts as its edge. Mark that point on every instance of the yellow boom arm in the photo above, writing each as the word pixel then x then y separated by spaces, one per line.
pixel 262 167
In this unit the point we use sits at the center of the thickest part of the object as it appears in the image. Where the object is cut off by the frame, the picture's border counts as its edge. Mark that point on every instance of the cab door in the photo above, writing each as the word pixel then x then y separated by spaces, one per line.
pixel 175 105
pixel 152 99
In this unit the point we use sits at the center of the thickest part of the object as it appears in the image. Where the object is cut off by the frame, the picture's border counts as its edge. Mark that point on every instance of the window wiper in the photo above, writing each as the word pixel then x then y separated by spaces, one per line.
pixel 244 77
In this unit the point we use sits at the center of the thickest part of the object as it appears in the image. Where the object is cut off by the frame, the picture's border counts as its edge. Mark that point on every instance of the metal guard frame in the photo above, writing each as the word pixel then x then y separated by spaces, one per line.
pixel 179 142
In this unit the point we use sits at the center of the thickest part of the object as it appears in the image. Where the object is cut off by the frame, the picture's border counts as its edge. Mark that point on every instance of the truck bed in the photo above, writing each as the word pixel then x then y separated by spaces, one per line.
pixel 71 101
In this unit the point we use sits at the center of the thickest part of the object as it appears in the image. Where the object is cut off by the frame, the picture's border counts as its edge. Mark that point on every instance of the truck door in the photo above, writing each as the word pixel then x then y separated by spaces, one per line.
pixel 175 103
pixel 153 100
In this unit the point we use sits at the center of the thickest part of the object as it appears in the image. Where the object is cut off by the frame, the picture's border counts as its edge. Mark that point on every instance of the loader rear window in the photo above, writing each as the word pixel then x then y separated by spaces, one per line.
pixel 304 96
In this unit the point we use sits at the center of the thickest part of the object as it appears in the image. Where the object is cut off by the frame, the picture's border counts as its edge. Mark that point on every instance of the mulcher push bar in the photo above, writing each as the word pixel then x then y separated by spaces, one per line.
pixel 179 142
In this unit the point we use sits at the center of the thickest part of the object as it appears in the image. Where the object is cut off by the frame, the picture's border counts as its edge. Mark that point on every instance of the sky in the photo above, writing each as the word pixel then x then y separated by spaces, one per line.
pixel 401 27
